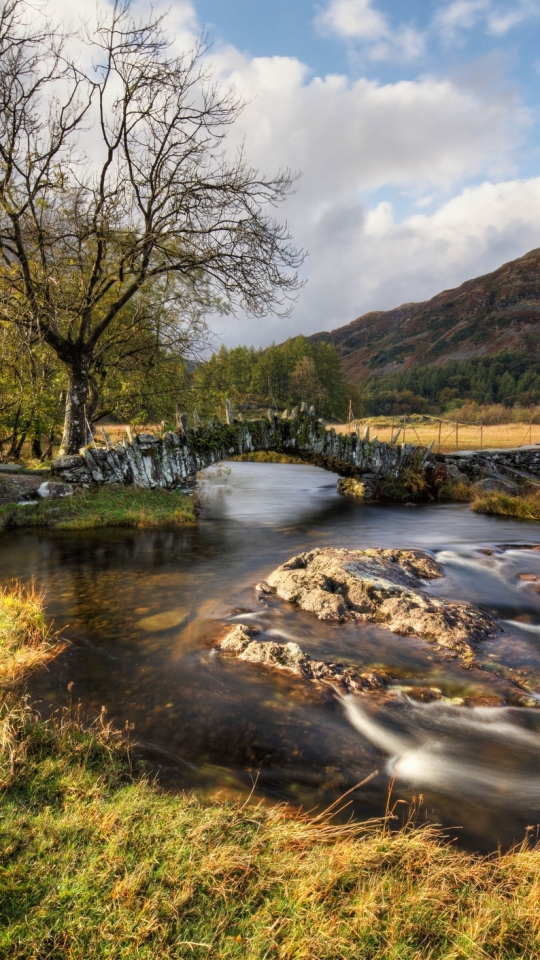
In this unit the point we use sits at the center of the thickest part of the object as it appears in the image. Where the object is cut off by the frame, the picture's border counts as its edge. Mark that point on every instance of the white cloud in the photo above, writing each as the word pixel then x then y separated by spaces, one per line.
pixel 498 19
pixel 427 136
pixel 350 137
pixel 359 20
pixel 365 260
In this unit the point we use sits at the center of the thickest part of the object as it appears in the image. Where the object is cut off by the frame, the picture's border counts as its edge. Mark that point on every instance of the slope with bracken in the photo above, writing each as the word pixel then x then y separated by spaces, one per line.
pixel 493 313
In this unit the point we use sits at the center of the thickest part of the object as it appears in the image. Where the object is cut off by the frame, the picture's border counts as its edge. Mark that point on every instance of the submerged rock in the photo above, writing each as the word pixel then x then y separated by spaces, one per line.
pixel 290 657
pixel 380 586
pixel 364 487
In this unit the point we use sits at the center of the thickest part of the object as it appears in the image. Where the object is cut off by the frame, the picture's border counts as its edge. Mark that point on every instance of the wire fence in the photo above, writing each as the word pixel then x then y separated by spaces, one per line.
pixel 445 435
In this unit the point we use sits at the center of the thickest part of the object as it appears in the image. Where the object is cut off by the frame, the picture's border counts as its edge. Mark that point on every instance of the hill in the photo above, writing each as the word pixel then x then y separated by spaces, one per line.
pixel 494 314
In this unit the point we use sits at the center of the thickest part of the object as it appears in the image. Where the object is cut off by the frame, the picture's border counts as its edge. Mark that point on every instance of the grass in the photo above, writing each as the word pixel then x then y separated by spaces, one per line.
pixel 98 863
pixel 524 506
pixel 26 642
pixel 106 506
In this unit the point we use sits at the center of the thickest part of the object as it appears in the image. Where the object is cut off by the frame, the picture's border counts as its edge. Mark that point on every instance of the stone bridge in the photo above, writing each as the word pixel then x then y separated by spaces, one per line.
pixel 173 460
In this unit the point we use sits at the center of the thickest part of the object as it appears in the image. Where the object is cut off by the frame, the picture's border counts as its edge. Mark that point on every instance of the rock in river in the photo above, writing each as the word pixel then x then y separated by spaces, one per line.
pixel 288 656
pixel 380 586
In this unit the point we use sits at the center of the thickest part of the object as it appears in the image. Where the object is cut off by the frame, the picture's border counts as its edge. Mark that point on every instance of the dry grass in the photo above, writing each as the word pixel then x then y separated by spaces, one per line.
pixel 469 437
pixel 97 863
pixel 26 642
pixel 266 456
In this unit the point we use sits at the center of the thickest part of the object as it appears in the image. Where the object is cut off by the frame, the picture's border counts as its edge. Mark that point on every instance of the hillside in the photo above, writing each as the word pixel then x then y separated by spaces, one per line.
pixel 491 314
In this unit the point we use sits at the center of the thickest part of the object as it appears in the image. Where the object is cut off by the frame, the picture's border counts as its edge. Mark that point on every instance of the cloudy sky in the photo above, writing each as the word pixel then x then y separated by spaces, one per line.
pixel 415 126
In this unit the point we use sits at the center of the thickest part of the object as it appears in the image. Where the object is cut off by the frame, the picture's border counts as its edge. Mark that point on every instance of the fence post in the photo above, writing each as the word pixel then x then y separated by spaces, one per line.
pixel 481 435
pixel 457 435
pixel 440 428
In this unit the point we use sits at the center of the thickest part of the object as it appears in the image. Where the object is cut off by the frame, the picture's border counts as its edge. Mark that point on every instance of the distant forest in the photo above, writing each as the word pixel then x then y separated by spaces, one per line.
pixel 299 369
pixel 505 378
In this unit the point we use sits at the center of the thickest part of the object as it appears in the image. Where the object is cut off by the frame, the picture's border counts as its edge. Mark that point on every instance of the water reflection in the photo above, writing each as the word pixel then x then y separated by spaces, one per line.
pixel 144 609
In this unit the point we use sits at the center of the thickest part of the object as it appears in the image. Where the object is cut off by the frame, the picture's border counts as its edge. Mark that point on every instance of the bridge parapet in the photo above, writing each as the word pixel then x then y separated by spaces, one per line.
pixel 173 460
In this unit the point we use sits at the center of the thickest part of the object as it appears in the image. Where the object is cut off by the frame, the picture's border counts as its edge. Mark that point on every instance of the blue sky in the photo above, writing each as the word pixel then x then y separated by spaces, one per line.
pixel 415 127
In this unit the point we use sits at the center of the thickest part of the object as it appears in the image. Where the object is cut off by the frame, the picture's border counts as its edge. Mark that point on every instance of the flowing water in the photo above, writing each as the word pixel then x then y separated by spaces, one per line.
pixel 144 610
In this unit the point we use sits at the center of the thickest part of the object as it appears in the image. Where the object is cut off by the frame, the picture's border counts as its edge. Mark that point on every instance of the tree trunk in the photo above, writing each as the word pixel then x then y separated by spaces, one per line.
pixel 75 420
pixel 36 447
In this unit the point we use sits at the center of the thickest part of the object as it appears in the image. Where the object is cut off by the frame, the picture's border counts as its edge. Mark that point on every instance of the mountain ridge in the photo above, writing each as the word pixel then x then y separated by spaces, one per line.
pixel 494 313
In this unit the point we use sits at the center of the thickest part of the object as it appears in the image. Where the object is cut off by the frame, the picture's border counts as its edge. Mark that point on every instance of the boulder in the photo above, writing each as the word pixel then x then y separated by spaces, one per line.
pixel 241 642
pixel 385 587
pixel 495 484
pixel 72 469
pixel 49 490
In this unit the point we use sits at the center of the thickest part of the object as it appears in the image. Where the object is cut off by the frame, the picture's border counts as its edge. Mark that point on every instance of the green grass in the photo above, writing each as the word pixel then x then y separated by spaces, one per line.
pixel 524 506
pixel 98 863
pixel 106 506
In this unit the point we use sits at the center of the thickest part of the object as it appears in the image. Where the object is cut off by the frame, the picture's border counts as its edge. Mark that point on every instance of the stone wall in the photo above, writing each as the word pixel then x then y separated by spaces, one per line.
pixel 173 460
pixel 476 464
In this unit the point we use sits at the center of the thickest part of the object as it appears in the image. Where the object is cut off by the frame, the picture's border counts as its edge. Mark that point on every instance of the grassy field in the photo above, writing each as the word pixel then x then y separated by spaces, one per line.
pixel 469 436
pixel 107 506
pixel 97 863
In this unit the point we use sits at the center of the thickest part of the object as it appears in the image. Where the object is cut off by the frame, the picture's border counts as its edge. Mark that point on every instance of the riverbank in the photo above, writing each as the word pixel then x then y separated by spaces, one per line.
pixel 524 506
pixel 98 862
pixel 105 506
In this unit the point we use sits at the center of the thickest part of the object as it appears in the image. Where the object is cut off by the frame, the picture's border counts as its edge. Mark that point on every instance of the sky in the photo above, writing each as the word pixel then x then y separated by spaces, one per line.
pixel 414 127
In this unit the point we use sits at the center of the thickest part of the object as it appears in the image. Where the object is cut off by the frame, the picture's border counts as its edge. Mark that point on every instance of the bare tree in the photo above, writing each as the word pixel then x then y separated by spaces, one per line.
pixel 114 179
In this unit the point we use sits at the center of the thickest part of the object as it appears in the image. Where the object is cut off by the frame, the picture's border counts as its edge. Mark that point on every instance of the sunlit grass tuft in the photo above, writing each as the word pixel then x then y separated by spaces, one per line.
pixel 523 506
pixel 26 642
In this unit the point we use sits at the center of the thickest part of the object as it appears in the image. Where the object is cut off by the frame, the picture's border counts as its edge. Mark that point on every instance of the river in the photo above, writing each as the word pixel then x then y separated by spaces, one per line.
pixel 144 609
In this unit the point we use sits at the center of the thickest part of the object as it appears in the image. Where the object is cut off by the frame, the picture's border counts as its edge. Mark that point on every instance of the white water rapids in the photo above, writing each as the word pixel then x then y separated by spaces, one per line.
pixel 479 753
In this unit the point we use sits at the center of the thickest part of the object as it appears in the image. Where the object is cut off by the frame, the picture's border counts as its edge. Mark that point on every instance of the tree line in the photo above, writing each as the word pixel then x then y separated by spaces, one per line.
pixel 505 378
pixel 282 375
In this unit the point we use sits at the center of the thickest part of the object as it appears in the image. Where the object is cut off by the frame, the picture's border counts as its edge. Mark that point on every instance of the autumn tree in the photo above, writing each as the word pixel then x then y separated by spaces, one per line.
pixel 115 182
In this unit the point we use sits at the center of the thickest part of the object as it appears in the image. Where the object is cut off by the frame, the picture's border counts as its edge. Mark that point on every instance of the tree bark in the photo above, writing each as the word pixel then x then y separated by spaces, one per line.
pixel 75 433
pixel 37 452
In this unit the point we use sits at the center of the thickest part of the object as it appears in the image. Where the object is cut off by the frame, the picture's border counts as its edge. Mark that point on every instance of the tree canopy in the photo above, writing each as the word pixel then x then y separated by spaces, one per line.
pixel 117 191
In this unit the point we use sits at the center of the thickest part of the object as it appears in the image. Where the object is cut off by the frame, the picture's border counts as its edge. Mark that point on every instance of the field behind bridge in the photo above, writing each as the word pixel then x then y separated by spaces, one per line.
pixel 470 436
pixel 417 430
